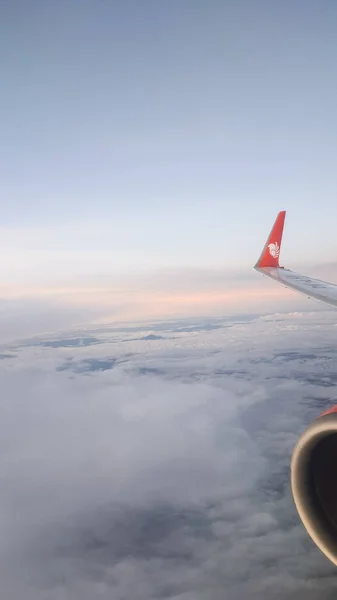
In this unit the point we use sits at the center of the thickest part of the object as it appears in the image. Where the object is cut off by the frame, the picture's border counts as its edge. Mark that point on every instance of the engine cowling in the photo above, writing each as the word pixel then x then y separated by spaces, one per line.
pixel 314 481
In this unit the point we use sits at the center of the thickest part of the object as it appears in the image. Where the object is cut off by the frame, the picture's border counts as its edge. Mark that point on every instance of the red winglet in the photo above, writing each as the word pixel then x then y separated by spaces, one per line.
pixel 331 410
pixel 271 251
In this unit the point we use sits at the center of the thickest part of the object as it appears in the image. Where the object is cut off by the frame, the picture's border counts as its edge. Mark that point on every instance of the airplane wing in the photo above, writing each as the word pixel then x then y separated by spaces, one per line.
pixel 268 264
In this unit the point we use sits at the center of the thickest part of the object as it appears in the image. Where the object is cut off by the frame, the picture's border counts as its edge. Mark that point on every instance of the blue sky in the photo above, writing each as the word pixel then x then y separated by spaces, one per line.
pixel 153 135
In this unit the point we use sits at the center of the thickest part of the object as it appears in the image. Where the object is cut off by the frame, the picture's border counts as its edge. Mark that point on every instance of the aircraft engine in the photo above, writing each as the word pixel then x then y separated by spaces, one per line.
pixel 314 481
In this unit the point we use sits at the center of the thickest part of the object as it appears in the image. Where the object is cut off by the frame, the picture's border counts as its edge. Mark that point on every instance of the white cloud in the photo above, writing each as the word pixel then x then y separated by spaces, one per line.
pixel 166 476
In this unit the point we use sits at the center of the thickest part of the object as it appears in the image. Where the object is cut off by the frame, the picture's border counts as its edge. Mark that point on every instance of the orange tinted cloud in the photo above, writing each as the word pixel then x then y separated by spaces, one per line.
pixel 137 302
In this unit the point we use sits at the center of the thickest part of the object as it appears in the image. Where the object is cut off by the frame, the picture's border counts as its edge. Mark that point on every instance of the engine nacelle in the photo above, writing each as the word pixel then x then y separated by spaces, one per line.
pixel 314 481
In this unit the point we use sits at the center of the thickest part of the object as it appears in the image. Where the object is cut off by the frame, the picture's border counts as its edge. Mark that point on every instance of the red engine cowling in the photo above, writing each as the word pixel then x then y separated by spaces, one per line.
pixel 314 481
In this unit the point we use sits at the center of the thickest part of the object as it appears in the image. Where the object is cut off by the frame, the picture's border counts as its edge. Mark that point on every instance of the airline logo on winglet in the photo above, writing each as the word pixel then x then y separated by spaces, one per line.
pixel 274 250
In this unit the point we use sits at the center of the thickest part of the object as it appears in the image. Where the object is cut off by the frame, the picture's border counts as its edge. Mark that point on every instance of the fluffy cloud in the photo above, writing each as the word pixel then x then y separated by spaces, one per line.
pixel 164 474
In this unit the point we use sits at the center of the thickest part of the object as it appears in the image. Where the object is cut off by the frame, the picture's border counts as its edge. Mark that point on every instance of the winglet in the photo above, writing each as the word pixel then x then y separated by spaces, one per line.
pixel 271 251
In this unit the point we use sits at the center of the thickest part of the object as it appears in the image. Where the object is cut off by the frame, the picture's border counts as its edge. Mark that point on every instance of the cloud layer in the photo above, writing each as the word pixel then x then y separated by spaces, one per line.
pixel 154 462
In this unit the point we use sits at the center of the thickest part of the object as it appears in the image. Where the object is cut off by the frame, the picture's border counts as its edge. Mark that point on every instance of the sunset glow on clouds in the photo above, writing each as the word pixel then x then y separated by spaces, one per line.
pixel 149 295
pixel 77 275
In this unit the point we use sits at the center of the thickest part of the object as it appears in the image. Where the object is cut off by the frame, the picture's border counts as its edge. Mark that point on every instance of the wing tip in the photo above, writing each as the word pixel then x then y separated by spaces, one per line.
pixel 271 251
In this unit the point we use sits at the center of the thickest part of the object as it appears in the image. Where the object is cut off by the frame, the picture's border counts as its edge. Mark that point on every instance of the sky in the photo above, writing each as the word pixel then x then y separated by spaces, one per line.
pixel 140 463
pixel 157 141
